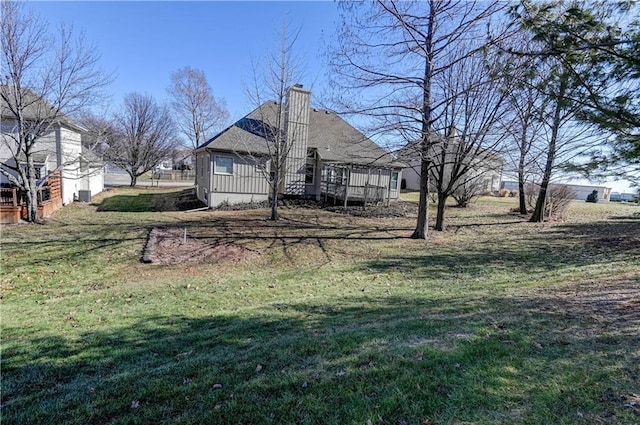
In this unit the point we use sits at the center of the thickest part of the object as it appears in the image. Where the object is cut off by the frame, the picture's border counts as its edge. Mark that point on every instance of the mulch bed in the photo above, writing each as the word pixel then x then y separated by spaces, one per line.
pixel 167 246
pixel 395 209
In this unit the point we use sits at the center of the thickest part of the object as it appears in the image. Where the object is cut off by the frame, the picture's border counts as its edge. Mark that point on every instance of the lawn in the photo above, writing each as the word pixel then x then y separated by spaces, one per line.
pixel 334 320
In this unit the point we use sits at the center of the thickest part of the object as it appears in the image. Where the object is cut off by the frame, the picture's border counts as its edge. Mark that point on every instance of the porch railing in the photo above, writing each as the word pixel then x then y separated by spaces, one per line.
pixel 12 197
pixel 367 193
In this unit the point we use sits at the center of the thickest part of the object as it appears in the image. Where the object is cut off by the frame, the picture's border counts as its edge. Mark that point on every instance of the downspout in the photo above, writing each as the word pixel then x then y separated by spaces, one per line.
pixel 59 159
pixel 210 185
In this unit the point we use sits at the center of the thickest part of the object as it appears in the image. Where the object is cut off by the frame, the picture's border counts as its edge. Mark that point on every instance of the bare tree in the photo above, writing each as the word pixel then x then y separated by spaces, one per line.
pixel 46 79
pixel 198 114
pixel 475 104
pixel 278 114
pixel 525 131
pixel 385 61
pixel 143 136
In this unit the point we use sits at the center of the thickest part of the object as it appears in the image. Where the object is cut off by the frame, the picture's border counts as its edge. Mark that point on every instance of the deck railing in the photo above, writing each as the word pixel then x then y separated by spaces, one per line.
pixel 367 193
pixel 12 197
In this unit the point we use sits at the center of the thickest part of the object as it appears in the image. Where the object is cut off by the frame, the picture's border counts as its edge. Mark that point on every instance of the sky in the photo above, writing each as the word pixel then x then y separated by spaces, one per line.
pixel 144 42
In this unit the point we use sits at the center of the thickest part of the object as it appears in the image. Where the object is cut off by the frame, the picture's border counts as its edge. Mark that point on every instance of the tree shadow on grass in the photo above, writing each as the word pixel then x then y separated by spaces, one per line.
pixel 535 358
pixel 560 247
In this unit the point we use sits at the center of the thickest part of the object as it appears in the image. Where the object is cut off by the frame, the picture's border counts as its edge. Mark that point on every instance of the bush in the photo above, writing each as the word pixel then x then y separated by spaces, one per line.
pixel 504 193
pixel 558 198
pixel 593 197
pixel 513 194
pixel 468 191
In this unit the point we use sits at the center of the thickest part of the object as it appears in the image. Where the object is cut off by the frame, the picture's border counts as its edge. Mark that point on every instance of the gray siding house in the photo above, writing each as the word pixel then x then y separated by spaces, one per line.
pixel 327 158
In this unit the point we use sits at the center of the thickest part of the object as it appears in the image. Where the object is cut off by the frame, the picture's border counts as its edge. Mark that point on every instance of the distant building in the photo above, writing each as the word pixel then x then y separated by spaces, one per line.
pixel 484 168
pixel 622 197
pixel 581 191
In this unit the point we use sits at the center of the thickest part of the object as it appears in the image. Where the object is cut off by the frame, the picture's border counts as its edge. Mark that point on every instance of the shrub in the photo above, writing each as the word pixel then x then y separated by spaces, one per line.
pixel 468 191
pixel 593 197
pixel 504 193
pixel 558 198
pixel 513 194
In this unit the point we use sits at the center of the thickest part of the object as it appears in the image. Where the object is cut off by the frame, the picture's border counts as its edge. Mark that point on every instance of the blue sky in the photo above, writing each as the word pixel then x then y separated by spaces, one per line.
pixel 144 42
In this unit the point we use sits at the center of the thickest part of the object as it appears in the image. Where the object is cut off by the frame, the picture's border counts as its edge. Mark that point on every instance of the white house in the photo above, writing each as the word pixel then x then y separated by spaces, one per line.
pixel 58 147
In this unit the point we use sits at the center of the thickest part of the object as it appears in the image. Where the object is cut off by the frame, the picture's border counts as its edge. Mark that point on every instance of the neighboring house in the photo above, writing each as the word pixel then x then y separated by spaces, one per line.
pixel 58 149
pixel 183 160
pixel 580 192
pixel 485 170
pixel 622 197
pixel 328 159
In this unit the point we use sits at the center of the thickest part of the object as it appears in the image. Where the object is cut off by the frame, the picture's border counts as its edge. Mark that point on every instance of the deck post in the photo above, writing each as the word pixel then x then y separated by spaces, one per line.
pixel 346 187
pixel 389 188
pixel 366 188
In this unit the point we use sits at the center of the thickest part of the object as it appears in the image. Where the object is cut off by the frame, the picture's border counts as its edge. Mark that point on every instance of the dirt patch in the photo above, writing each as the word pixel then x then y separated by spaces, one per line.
pixel 168 246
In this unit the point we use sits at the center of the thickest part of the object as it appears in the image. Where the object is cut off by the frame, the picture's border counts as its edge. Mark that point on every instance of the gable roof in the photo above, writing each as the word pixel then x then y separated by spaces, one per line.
pixel 334 139
pixel 411 153
pixel 35 109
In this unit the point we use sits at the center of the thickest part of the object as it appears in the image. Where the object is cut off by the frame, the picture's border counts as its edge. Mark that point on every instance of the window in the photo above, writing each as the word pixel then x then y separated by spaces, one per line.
pixel 223 165
pixel 394 180
pixel 310 170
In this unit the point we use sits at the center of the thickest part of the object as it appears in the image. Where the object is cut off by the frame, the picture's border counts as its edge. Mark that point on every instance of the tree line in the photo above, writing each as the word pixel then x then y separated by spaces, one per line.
pixel 549 86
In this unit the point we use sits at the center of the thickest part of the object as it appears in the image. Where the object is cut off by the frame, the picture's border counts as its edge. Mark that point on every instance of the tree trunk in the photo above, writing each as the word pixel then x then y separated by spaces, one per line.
pixel 442 200
pixel 134 180
pixel 521 194
pixel 274 204
pixel 521 164
pixel 538 213
pixel 421 231
pixel 32 203
pixel 31 191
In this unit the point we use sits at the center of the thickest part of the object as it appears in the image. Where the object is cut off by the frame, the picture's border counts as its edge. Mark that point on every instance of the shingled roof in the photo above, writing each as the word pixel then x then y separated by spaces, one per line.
pixel 35 109
pixel 334 139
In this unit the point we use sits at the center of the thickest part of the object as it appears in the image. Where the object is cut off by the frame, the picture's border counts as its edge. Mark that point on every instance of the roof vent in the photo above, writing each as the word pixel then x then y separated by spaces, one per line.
pixel 298 85
pixel 327 112
pixel 315 109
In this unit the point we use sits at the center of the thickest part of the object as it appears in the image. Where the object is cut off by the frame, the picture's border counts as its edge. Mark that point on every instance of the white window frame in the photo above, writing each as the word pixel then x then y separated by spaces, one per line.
pixel 215 165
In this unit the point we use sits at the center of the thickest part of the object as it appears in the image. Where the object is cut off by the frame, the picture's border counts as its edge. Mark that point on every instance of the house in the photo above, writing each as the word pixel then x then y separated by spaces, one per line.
pixel 327 158
pixel 580 192
pixel 484 169
pixel 58 154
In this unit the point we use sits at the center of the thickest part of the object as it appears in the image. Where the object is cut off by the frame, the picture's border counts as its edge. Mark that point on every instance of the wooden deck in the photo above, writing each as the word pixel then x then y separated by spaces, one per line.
pixel 13 205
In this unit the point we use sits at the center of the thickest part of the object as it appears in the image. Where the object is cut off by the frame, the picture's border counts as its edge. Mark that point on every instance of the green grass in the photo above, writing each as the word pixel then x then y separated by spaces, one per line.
pixel 338 320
